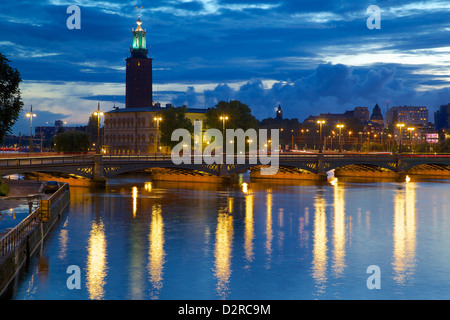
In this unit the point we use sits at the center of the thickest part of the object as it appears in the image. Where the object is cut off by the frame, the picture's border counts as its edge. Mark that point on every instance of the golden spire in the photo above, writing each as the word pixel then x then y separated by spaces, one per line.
pixel 139 22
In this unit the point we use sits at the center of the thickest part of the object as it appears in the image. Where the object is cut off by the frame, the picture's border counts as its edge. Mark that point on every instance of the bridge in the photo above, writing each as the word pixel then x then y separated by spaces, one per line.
pixel 102 167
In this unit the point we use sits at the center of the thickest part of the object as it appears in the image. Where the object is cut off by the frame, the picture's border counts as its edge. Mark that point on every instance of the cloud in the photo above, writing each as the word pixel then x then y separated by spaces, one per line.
pixel 329 88
pixel 306 55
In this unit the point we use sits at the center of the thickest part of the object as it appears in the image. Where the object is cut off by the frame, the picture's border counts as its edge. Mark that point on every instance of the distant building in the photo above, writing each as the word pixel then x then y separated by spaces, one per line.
pixel 46 131
pixel 442 117
pixel 362 113
pixel 409 115
pixel 330 118
pixel 139 78
pixel 376 116
pixel 279 114
pixel 136 130
pixel 50 131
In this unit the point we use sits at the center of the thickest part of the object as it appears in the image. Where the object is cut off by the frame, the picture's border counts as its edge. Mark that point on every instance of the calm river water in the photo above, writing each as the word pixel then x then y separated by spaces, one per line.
pixel 147 240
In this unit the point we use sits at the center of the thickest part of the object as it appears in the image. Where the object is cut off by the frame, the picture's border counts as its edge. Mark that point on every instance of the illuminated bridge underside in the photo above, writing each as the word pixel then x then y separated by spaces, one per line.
pixel 285 172
pixel 364 170
pixel 430 169
pixel 85 172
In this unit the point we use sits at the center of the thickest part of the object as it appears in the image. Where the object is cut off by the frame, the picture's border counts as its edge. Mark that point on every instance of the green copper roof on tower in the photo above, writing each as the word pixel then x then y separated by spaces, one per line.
pixel 139 47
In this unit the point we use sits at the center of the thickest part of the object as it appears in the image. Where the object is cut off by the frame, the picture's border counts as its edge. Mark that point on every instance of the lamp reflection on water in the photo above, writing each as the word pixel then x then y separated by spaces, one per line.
pixel 96 261
pixel 339 230
pixel 319 264
pixel 269 231
pixel 222 252
pixel 303 231
pixel 156 250
pixel 63 241
pixel 404 233
pixel 135 196
pixel 249 228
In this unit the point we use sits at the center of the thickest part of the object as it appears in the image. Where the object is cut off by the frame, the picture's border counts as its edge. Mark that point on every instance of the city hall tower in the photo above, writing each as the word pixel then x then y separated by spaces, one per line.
pixel 139 72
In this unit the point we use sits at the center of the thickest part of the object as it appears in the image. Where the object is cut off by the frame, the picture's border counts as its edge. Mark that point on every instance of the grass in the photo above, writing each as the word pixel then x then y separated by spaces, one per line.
pixel 4 189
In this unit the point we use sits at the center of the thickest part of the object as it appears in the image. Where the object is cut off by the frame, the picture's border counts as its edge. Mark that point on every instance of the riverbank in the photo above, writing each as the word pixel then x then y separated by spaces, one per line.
pixel 19 188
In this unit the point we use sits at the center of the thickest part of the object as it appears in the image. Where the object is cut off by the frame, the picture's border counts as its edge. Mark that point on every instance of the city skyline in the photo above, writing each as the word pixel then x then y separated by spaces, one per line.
pixel 310 58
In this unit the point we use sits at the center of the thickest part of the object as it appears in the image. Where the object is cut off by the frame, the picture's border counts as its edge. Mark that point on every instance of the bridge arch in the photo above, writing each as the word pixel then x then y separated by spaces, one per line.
pixel 234 169
pixel 392 167
pixel 113 170
pixel 431 167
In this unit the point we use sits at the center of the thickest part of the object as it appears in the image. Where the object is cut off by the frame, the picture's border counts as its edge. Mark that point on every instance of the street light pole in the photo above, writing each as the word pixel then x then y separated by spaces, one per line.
pixel 410 129
pixel 98 114
pixel 157 119
pixel 320 123
pixel 223 118
pixel 31 115
pixel 340 126
pixel 292 142
pixel 400 126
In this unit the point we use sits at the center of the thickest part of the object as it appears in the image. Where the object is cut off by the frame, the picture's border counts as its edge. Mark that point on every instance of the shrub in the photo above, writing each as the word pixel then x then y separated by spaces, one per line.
pixel 4 189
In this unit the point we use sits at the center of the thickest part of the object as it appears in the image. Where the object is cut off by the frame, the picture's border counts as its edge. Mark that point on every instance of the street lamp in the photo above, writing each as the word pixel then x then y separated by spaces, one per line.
pixel 350 141
pixel 292 143
pixel 31 115
pixel 157 119
pixel 320 123
pixel 223 118
pixel 98 114
pixel 340 126
pixel 400 126
pixel 410 129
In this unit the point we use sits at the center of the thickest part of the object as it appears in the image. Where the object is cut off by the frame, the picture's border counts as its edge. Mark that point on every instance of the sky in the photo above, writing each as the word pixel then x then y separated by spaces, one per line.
pixel 310 57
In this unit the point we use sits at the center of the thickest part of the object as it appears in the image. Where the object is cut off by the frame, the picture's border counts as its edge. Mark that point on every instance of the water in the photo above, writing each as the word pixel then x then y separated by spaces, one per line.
pixel 144 240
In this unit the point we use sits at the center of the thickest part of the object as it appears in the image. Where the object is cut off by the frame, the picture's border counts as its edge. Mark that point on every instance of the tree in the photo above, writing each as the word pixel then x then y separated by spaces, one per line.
pixel 172 119
pixel 92 129
pixel 444 146
pixel 239 116
pixel 289 130
pixel 10 101
pixel 72 141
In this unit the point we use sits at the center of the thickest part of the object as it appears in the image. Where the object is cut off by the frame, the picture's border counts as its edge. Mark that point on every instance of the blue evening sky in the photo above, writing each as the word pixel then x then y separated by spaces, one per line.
pixel 309 56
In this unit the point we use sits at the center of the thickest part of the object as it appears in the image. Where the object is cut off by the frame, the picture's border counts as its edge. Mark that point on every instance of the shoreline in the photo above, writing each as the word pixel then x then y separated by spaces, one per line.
pixel 19 188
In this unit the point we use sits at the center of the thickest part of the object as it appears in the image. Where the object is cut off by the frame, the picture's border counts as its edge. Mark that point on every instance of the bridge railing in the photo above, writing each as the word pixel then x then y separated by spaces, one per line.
pixel 161 157
pixel 9 162
pixel 133 157
pixel 10 240
pixel 89 159
pixel 15 235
